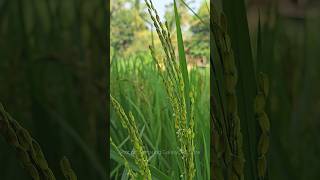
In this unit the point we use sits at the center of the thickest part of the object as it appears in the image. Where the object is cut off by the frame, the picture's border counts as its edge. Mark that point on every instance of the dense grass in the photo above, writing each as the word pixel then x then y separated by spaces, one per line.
pixel 170 108
pixel 138 86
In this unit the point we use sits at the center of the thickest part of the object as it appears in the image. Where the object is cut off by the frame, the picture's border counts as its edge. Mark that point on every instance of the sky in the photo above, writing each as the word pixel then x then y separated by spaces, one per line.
pixel 160 5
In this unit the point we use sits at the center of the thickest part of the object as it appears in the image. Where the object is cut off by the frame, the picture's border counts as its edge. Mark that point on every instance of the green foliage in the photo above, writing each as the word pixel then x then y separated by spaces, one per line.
pixel 122 33
pixel 199 41
pixel 139 88
pixel 130 28
pixel 128 16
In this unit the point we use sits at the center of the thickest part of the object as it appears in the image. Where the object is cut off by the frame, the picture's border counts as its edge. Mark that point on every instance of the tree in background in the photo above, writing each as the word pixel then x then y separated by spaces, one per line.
pixel 127 26
pixel 198 44
pixel 131 31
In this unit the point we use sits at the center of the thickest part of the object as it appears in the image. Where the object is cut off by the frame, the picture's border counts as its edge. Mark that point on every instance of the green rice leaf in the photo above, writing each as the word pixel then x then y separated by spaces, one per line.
pixel 240 40
pixel 182 56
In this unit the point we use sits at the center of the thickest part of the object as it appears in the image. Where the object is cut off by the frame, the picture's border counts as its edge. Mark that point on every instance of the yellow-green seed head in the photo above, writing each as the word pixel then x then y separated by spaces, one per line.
pixel 231 83
pixel 229 63
pixel 24 138
pixel 262 166
pixel 232 104
pixel 11 137
pixel 263 145
pixel 263 83
pixel 23 156
pixel 259 103
pixel 238 164
pixel 32 170
pixel 48 174
pixel 67 170
pixel 38 156
pixel 264 122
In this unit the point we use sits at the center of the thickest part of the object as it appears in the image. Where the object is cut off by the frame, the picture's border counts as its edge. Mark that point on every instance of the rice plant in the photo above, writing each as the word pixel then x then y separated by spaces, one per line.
pixel 29 151
pixel 170 106
pixel 273 45
pixel 239 155
pixel 139 153
pixel 227 130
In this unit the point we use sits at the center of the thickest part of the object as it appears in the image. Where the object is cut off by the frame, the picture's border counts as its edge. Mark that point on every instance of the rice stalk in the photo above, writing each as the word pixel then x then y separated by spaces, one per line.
pixel 238 32
pixel 175 86
pixel 228 136
pixel 264 124
pixel 66 169
pixel 29 151
pixel 131 174
pixel 140 155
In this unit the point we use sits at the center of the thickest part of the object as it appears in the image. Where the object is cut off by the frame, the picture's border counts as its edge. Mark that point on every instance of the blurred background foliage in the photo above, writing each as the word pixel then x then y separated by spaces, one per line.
pixel 290 40
pixel 132 31
pixel 52 76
